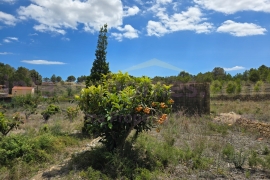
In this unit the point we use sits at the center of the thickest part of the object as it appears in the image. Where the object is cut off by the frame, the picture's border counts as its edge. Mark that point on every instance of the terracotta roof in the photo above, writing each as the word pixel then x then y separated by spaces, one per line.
pixel 22 88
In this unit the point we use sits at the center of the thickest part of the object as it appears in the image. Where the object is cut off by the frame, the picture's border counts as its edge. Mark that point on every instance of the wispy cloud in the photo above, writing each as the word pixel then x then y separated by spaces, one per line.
pixel 235 68
pixel 5 53
pixel 10 39
pixel 241 29
pixel 34 34
pixel 9 1
pixel 43 62
pixel 153 62
pixel 65 39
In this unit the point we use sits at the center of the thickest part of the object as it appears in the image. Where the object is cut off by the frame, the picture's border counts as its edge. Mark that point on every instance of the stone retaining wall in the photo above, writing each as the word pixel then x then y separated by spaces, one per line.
pixel 263 128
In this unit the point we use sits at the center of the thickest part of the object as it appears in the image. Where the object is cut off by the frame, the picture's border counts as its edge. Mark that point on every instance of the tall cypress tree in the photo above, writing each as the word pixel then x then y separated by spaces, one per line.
pixel 100 66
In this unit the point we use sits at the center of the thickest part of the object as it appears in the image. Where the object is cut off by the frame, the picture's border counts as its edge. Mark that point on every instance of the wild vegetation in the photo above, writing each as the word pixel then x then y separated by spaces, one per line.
pixel 185 148
pixel 52 135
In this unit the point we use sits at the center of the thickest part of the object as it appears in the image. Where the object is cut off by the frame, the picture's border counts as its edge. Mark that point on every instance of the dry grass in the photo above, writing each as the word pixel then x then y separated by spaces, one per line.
pixel 186 148
pixel 249 109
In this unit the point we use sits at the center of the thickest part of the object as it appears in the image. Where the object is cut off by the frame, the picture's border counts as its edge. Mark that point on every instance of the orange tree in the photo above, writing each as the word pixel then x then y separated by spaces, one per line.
pixel 120 104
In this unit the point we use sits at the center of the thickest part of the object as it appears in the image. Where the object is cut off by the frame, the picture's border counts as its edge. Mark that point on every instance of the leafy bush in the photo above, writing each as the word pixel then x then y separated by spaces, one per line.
pixel 6 125
pixel 122 103
pixel 231 87
pixel 26 100
pixel 258 86
pixel 72 112
pixel 51 110
pixel 216 86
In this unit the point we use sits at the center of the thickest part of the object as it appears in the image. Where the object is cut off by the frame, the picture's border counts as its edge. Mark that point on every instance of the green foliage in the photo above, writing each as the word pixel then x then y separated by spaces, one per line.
pixel 219 128
pixel 264 71
pixel 69 91
pixel 238 158
pixel 238 86
pixel 26 100
pixel 258 86
pixel 204 77
pixel 216 86
pixel 28 103
pixel 146 160
pixel 31 149
pixel 184 77
pixel 122 103
pixel 36 77
pixel 58 79
pixel 53 78
pixel 218 73
pixel 71 78
pixel 6 125
pixel 81 79
pixel 50 110
pixel 92 174
pixel 72 113
pixel 231 87
pixel 254 75
pixel 253 160
pixel 100 66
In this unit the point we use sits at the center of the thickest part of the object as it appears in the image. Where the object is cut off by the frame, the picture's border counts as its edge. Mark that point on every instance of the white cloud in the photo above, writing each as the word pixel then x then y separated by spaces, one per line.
pixel 153 62
pixel 58 15
pixel 241 29
pixel 191 20
pixel 232 6
pixel 235 68
pixel 6 40
pixel 164 1
pixel 9 1
pixel 10 39
pixel 5 53
pixel 7 19
pixel 131 11
pixel 42 62
pixel 13 38
pixel 127 32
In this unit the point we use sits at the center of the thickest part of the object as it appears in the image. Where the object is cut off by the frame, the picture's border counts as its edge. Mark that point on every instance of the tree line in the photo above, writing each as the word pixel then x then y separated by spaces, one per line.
pixel 22 76
pixel 10 77
pixel 218 74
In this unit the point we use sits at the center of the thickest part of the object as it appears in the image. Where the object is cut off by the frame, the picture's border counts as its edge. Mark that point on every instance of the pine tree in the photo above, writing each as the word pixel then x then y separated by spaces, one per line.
pixel 100 66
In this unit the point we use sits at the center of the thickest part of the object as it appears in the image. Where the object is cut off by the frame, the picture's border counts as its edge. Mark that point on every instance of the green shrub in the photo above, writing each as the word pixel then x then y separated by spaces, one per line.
pixel 92 174
pixel 29 149
pixel 6 125
pixel 238 158
pixel 51 110
pixel 28 99
pixel 258 86
pixel 120 104
pixel 216 86
pixel 231 87
pixel 72 113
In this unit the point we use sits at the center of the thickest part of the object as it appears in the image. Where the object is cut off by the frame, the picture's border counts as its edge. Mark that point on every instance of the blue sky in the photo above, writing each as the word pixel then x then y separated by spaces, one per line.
pixel 152 38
